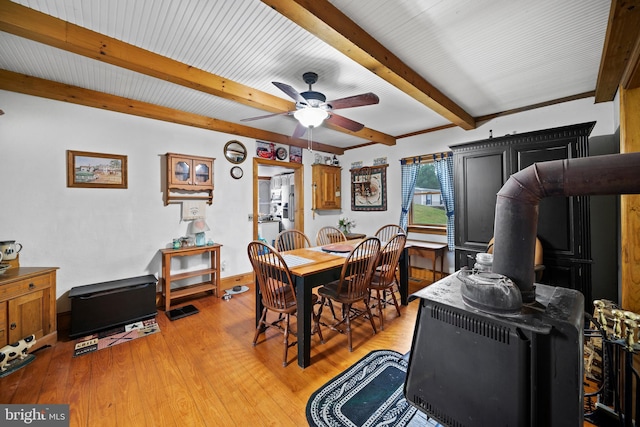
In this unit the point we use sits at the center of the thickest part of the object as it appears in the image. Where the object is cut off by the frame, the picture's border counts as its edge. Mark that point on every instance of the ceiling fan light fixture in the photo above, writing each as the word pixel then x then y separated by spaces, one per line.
pixel 310 117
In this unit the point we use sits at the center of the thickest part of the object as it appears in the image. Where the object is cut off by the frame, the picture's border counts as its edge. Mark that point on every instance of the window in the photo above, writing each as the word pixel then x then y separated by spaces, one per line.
pixel 427 209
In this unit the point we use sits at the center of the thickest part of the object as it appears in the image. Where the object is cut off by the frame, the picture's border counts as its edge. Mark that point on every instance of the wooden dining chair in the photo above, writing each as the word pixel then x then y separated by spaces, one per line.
pixel 328 235
pixel 277 292
pixel 288 240
pixel 353 286
pixel 384 278
pixel 387 232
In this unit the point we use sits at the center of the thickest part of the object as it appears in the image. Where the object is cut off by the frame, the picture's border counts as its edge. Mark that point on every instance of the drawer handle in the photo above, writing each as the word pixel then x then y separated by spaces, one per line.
pixel 13 326
pixel 32 286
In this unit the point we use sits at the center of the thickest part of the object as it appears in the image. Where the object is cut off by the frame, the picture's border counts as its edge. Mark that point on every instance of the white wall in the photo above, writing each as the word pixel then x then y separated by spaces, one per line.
pixel 96 235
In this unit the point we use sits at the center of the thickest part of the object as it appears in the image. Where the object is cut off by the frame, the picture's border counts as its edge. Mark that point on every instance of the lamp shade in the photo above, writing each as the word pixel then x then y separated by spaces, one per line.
pixel 310 117
pixel 197 226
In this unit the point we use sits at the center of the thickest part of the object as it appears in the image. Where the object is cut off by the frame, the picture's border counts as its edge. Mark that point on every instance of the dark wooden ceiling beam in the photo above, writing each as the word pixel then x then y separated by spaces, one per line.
pixel 33 25
pixel 623 33
pixel 329 24
pixel 35 86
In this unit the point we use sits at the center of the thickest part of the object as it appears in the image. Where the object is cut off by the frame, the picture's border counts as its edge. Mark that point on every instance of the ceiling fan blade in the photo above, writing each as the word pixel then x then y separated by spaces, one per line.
pixel 299 131
pixel 355 101
pixel 293 94
pixel 343 122
pixel 266 116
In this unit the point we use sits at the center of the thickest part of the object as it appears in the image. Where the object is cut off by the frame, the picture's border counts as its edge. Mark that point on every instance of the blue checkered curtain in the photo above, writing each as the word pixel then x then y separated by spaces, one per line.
pixel 444 172
pixel 409 175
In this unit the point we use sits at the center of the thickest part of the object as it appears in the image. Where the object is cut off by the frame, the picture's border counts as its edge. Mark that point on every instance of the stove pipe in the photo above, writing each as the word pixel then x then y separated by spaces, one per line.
pixel 516 220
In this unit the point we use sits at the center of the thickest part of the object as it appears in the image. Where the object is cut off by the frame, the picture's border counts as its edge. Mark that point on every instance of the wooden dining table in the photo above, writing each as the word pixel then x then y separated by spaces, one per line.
pixel 310 268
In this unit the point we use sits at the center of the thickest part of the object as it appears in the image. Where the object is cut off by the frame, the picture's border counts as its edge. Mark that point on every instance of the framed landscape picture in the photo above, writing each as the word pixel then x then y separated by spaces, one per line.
pixel 96 170
pixel 369 188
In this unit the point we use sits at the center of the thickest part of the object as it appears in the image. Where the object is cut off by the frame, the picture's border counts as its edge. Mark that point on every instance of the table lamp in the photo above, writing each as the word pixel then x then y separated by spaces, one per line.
pixel 198 227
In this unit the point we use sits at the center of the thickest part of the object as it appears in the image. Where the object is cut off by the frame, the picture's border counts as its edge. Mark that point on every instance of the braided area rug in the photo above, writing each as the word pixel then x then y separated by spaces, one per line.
pixel 369 393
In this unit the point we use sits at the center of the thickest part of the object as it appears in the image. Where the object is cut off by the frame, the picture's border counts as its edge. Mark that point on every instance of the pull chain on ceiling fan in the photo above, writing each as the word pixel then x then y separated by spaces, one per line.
pixel 312 109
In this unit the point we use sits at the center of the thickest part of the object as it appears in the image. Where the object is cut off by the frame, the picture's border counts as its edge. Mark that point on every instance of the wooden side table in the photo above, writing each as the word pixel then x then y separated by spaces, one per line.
pixel 354 236
pixel 428 250
pixel 213 272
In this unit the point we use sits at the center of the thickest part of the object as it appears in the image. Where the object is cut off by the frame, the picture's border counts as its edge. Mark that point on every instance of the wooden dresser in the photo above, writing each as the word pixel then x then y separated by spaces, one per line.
pixel 28 305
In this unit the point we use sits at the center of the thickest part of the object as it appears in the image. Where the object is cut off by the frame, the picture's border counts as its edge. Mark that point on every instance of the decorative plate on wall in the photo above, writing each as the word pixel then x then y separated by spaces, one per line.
pixel 236 172
pixel 281 153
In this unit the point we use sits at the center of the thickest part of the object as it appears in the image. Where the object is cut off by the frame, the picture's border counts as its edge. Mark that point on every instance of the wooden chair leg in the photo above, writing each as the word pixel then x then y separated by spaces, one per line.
pixel 259 327
pixel 379 305
pixel 286 342
pixel 373 325
pixel 322 302
pixel 333 313
pixel 395 301
pixel 346 309
pixel 316 324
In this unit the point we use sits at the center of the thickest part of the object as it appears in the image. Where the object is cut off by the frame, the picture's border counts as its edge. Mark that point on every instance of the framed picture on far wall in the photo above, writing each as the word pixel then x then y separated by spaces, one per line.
pixel 266 150
pixel 96 170
pixel 369 188
pixel 295 154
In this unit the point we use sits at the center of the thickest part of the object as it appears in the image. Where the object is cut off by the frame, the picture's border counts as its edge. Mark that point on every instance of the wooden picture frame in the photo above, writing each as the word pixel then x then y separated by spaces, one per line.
pixel 369 188
pixel 96 170
pixel 295 154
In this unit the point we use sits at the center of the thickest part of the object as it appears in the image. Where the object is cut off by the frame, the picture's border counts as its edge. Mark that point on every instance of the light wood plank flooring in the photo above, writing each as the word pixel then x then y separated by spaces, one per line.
pixel 201 370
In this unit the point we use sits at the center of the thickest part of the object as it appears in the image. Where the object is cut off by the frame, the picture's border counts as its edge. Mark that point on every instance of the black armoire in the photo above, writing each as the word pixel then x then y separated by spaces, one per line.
pixel 482 167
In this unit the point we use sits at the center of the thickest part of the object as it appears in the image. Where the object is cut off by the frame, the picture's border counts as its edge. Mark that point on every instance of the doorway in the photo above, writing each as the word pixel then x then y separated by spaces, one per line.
pixel 272 167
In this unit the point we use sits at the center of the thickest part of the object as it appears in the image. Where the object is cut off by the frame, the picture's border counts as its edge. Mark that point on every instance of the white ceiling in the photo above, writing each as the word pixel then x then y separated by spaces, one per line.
pixel 485 56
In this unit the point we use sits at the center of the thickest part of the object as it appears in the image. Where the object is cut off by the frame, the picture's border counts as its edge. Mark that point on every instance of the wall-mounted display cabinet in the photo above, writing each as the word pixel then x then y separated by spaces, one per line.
pixel 189 175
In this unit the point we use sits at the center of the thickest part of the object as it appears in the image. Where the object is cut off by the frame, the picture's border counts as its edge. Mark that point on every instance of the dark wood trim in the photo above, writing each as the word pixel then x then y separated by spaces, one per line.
pixel 486 118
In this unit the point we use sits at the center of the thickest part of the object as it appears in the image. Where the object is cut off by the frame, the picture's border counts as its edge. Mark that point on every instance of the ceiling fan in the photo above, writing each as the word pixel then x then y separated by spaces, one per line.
pixel 312 108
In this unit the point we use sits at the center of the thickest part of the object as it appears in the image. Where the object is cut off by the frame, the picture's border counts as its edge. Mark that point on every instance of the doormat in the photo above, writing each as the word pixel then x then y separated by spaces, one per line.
pixel 369 393
pixel 115 336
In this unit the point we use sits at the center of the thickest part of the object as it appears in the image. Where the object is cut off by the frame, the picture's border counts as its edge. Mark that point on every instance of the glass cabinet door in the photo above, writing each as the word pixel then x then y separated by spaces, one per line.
pixel 181 172
pixel 203 173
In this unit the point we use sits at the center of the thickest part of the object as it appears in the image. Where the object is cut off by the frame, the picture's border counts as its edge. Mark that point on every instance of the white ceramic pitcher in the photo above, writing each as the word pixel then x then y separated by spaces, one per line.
pixel 9 249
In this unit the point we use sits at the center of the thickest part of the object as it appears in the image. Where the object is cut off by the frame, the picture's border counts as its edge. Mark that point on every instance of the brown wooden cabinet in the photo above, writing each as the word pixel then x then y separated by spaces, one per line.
pixel 482 167
pixel 326 187
pixel 189 175
pixel 28 305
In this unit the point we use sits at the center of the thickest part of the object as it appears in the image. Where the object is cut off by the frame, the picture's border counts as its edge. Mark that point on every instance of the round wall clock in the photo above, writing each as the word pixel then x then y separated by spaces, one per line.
pixel 236 172
pixel 281 153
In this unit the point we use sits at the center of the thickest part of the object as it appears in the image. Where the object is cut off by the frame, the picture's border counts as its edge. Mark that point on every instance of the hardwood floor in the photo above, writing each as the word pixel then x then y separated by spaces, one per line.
pixel 200 370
